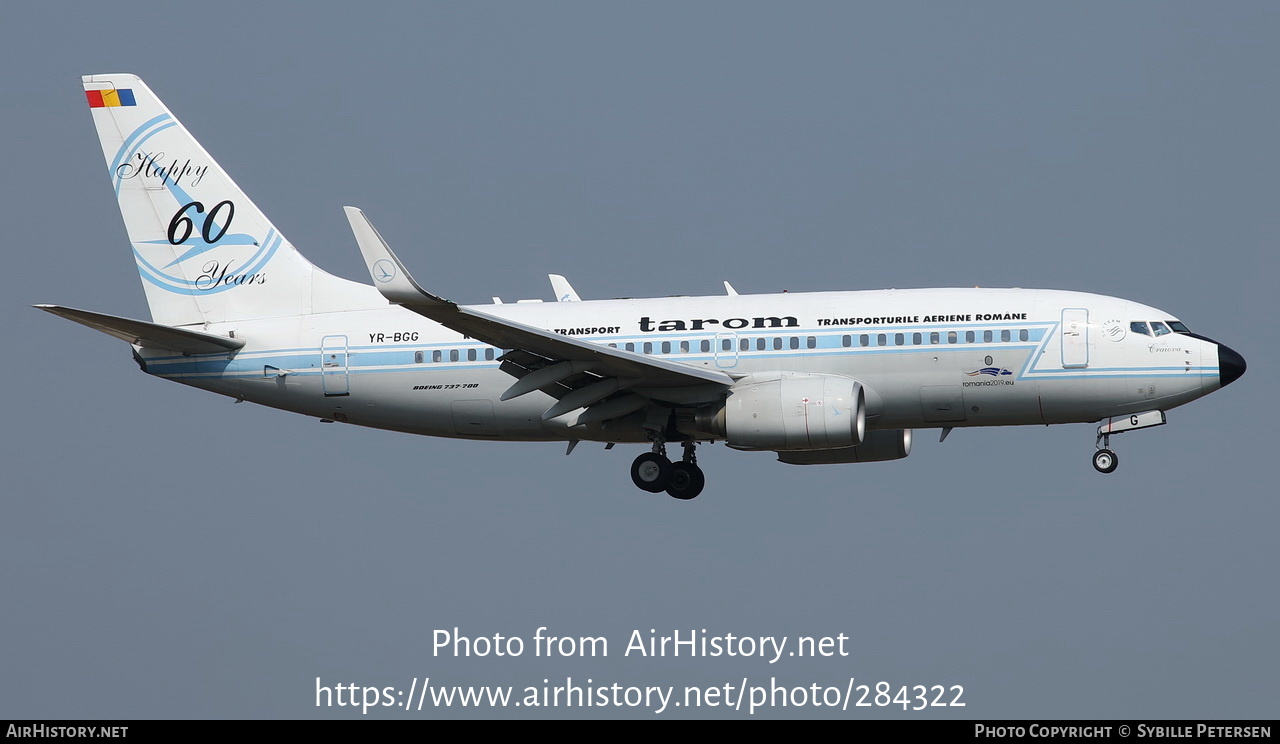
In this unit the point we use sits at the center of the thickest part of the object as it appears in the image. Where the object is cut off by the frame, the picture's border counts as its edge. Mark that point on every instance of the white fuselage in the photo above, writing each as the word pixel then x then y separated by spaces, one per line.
pixel 927 358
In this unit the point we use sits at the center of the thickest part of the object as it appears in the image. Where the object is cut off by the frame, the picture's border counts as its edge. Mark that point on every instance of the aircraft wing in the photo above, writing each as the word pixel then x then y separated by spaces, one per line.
pixel 573 370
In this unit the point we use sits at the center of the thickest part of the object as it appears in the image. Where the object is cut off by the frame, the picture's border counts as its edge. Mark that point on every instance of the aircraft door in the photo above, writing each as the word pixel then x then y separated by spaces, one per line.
pixel 333 366
pixel 1075 337
pixel 726 350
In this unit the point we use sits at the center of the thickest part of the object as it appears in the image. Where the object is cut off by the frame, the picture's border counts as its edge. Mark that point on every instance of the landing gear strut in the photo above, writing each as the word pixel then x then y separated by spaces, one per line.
pixel 1104 460
pixel 687 479
pixel 654 473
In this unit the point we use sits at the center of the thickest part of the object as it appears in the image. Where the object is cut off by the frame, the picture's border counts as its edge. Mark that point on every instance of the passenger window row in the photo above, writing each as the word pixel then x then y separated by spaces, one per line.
pixel 780 343
pixel 936 337
pixel 744 344
pixel 454 355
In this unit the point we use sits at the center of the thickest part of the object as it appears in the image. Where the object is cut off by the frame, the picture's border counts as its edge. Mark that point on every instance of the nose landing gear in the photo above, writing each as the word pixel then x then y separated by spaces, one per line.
pixel 653 472
pixel 1105 461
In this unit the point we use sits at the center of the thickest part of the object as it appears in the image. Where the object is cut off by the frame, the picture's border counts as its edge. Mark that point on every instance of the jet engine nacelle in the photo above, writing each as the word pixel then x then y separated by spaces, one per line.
pixel 790 411
pixel 880 445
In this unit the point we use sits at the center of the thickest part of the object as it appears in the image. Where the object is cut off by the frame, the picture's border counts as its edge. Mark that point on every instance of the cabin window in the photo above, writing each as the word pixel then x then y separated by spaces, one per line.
pixel 811 342
pixel 418 357
pixel 726 344
pixel 666 347
pixel 987 337
pixel 453 355
pixel 760 344
pixel 648 347
pixel 705 346
pixel 777 343
pixel 899 339
pixel 1005 336
pixel 882 339
pixel 471 355
pixel 934 338
pixel 1024 334
pixel 437 356
pixel 684 347
pixel 613 346
pixel 795 342
pixel 744 344
pixel 864 340
pixel 488 354
pixel 951 337
pixel 846 341
pixel 630 346
pixel 917 339
pixel 969 337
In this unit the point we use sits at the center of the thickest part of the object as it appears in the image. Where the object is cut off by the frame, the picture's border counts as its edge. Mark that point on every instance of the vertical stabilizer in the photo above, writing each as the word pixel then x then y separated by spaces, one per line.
pixel 205 252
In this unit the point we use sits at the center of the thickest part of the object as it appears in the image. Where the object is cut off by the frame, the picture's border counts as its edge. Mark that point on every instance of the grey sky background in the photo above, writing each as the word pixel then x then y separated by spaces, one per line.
pixel 166 553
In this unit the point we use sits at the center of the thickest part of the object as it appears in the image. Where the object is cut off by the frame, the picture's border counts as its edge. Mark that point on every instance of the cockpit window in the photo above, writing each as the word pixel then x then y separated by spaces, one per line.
pixel 1139 326
pixel 1160 328
pixel 1178 327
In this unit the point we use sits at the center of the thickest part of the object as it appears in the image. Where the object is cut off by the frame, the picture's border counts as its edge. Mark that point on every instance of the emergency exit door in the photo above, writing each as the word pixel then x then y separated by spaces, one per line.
pixel 333 365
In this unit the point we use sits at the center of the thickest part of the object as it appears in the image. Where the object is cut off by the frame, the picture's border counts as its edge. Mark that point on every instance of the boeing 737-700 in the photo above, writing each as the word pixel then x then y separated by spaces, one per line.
pixel 817 378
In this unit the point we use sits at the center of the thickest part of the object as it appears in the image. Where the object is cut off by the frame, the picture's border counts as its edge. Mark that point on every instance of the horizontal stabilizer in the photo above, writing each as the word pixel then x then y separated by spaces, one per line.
pixel 148 335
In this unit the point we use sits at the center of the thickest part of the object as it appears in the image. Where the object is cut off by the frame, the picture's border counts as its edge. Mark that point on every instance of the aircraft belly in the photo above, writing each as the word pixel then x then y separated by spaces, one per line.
pixel 1085 398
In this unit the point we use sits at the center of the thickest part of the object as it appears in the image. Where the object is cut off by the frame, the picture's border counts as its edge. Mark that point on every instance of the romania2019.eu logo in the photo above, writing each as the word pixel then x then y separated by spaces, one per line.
pixel 993 371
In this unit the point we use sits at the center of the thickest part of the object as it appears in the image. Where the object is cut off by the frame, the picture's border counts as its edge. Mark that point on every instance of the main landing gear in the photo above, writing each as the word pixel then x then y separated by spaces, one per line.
pixel 654 473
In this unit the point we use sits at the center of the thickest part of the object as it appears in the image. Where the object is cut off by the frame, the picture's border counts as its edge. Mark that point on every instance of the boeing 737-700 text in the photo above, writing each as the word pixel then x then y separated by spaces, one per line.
pixel 823 377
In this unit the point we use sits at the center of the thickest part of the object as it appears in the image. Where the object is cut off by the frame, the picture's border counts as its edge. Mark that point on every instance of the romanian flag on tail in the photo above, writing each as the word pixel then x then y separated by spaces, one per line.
pixel 110 97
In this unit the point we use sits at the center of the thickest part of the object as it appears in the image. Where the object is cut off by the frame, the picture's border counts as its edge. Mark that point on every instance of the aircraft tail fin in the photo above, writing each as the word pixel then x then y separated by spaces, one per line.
pixel 205 252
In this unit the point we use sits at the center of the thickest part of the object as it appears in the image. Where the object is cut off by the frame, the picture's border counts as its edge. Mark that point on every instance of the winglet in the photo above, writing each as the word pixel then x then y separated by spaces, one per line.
pixel 389 275
pixel 562 288
pixel 728 288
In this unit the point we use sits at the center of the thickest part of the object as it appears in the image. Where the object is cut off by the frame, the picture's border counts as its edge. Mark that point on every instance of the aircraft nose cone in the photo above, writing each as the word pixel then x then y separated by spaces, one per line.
pixel 1230 365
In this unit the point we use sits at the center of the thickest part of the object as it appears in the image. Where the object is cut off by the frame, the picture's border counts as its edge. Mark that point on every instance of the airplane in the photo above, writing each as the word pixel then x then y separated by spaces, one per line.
pixel 816 378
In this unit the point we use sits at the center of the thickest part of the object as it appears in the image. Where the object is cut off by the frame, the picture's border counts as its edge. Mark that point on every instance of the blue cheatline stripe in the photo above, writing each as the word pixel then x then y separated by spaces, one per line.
pixel 257 372
pixel 825 341
pixel 402 358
